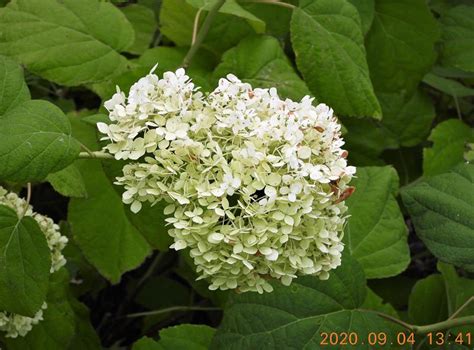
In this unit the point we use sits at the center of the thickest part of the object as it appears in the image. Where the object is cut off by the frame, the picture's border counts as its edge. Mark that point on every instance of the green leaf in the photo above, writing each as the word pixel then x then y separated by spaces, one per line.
pixel 35 140
pixel 449 141
pixel 441 209
pixel 68 182
pixel 294 316
pixel 376 231
pixel 144 23
pixel 458 290
pixel 375 302
pixel 69 42
pixel 260 61
pixel 329 47
pixel 24 264
pixel 182 337
pixel 156 233
pixel 427 303
pixel 13 89
pixel 400 44
pixel 448 86
pixel 231 7
pixel 366 10
pixel 177 21
pixel 65 323
pixel 364 151
pixel 458 38
pixel 276 18
pixel 406 119
pixel 99 224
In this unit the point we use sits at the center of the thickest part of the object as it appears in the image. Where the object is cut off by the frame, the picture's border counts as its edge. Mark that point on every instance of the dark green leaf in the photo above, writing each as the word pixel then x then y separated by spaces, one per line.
pixel 182 337
pixel 144 23
pixel 427 303
pixel 441 209
pixel 329 47
pixel 406 119
pixel 376 231
pixel 458 38
pixel 449 141
pixel 400 44
pixel 366 10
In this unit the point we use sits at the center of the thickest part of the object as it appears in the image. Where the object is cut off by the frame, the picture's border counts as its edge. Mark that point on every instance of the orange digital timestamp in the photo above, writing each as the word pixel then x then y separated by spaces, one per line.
pixel 401 338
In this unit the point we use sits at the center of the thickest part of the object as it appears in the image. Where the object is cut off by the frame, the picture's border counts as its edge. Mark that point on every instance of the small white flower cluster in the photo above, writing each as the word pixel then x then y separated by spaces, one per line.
pixel 14 324
pixel 256 184
pixel 18 325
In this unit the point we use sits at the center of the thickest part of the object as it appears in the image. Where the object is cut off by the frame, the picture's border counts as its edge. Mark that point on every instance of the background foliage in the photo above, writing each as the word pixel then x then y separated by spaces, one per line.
pixel 398 73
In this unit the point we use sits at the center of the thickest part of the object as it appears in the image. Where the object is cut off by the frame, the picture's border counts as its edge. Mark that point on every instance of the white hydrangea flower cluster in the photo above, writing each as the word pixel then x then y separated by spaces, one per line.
pixel 256 184
pixel 13 324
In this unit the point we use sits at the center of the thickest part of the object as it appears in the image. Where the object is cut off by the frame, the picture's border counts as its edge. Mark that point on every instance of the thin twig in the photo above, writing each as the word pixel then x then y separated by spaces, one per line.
pixel 390 318
pixel 275 2
pixel 461 308
pixel 196 25
pixel 173 308
pixel 202 32
pixel 28 198
pixel 95 155
pixel 449 323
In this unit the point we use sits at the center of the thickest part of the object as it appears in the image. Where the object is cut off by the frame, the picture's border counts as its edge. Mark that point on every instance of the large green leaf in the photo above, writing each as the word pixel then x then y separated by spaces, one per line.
pixel 400 44
pixel 406 119
pixel 441 209
pixel 294 317
pixel 376 231
pixel 99 224
pixel 449 142
pixel 35 140
pixel 144 24
pixel 69 42
pixel 182 337
pixel 24 264
pixel 458 38
pixel 260 61
pixel 329 47
pixel 64 321
pixel 427 303
pixel 177 21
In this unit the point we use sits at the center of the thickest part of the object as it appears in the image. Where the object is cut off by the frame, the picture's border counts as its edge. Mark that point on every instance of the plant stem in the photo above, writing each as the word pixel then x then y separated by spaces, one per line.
pixel 196 26
pixel 28 198
pixel 455 322
pixel 202 32
pixel 174 308
pixel 462 307
pixel 449 323
pixel 95 155
pixel 275 2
